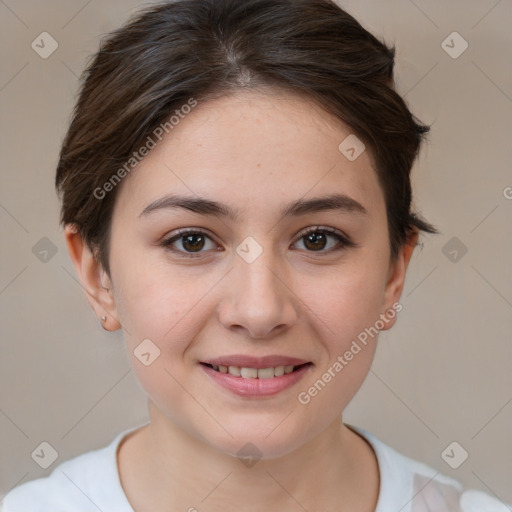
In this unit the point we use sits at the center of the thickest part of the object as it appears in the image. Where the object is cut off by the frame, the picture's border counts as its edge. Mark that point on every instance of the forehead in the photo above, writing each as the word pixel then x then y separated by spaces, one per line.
pixel 253 150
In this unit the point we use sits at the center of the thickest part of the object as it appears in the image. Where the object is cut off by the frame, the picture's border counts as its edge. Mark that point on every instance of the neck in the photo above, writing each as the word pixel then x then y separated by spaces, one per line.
pixel 168 469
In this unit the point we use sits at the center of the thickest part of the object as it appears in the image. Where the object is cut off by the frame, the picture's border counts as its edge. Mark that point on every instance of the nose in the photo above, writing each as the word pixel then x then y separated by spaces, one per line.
pixel 257 298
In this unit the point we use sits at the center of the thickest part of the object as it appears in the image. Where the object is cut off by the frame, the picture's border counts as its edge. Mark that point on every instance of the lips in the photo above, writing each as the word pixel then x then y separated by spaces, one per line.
pixel 259 381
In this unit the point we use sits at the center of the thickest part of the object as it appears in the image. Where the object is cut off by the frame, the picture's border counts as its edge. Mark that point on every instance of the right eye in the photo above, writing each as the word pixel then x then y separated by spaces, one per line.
pixel 192 242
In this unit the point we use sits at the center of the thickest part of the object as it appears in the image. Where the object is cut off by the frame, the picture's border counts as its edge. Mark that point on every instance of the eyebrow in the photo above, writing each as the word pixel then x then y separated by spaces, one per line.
pixel 203 206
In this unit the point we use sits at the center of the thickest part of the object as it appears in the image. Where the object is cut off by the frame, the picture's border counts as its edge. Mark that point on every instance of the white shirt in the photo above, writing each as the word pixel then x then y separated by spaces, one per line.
pixel 90 483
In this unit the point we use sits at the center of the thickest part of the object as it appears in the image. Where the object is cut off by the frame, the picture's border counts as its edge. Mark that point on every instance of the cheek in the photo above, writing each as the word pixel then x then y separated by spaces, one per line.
pixel 347 313
pixel 155 301
pixel 350 300
pixel 160 305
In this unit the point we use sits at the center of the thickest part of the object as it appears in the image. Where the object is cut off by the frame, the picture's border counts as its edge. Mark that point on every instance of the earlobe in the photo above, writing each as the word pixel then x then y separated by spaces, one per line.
pixel 95 281
pixel 396 277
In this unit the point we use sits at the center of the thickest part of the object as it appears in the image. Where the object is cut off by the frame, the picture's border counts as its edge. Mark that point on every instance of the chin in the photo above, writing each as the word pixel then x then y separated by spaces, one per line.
pixel 268 440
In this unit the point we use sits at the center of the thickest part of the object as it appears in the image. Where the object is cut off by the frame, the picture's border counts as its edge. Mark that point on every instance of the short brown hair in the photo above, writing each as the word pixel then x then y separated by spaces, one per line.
pixel 201 49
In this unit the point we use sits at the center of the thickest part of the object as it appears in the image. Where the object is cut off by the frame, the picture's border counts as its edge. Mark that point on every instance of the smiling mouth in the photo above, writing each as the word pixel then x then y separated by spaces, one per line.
pixel 256 373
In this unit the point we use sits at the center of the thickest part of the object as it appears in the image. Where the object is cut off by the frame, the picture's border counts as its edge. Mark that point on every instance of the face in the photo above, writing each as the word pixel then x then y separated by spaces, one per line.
pixel 267 269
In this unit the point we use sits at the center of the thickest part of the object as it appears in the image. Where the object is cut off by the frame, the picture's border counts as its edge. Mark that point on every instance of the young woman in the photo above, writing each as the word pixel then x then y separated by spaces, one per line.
pixel 236 198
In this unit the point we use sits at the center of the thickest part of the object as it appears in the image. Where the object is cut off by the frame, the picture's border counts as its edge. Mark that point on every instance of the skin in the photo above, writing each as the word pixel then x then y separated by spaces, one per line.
pixel 255 152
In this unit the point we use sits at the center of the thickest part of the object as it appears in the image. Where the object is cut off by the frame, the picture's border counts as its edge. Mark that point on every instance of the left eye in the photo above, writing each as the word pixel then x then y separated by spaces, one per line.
pixel 317 239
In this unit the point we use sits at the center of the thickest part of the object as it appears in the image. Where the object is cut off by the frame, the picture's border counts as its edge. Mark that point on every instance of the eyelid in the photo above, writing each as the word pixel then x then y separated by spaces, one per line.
pixel 187 231
pixel 167 241
pixel 326 229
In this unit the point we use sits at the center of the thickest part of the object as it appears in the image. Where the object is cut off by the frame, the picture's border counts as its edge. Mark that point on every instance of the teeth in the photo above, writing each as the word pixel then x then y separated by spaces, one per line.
pixel 234 370
pixel 255 373
pixel 266 373
pixel 250 373
pixel 278 371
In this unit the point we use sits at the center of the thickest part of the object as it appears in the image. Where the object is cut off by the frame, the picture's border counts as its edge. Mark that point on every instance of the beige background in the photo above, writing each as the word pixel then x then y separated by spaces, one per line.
pixel 441 375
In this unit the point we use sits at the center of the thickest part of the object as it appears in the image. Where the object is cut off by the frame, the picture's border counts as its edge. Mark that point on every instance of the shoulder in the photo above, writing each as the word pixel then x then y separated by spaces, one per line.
pixel 413 486
pixel 68 484
pixel 88 482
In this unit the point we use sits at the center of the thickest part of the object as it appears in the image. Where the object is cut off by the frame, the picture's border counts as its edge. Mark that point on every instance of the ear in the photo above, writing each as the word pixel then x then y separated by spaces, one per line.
pixel 396 279
pixel 95 281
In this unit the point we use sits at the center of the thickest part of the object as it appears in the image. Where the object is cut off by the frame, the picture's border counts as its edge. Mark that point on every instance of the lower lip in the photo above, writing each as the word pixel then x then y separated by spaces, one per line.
pixel 256 388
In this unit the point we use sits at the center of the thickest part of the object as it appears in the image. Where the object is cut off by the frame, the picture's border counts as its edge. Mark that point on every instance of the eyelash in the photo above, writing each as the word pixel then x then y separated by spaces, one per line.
pixel 343 241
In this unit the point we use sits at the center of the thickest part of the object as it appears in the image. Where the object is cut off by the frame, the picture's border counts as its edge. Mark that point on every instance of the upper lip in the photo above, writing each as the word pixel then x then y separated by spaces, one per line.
pixel 244 361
